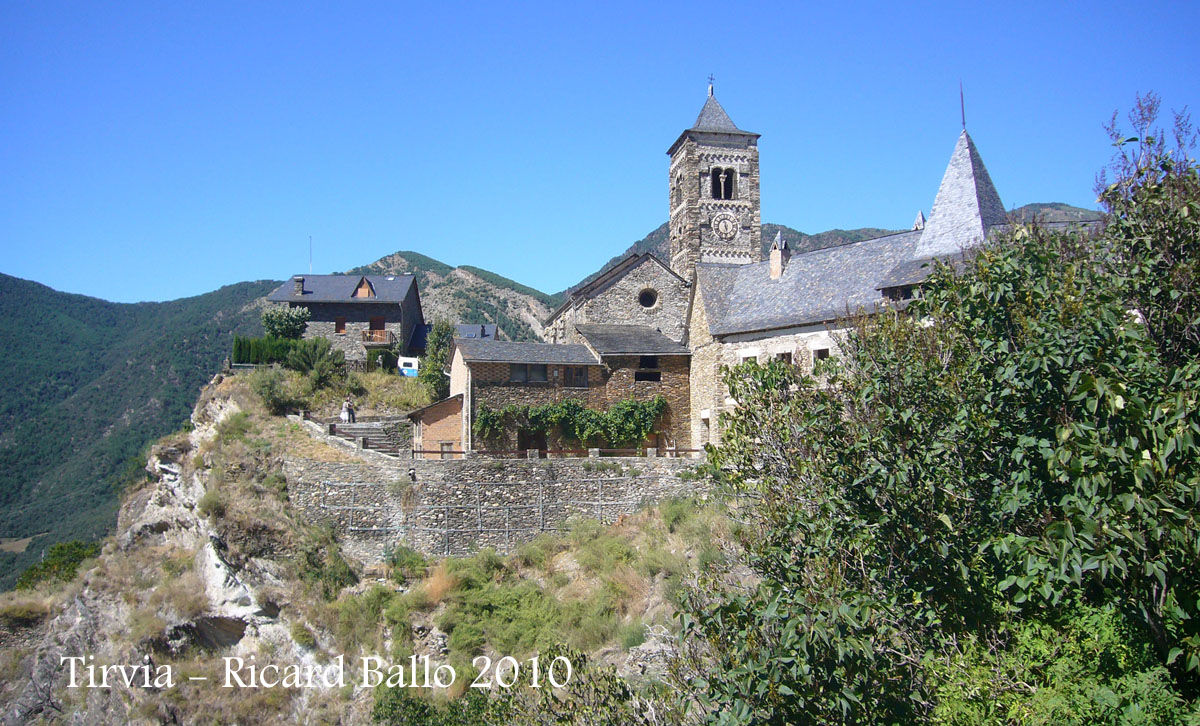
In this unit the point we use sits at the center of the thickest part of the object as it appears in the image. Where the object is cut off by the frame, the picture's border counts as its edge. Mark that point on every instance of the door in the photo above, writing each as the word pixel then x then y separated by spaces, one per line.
pixel 527 440
pixel 376 326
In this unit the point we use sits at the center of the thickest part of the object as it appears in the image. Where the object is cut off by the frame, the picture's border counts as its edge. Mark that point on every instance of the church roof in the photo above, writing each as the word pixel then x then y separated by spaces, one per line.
pixel 815 287
pixel 629 339
pixel 713 117
pixel 966 208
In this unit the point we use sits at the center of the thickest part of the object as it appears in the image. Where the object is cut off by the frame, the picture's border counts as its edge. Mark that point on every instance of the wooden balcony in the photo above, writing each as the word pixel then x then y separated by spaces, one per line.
pixel 378 338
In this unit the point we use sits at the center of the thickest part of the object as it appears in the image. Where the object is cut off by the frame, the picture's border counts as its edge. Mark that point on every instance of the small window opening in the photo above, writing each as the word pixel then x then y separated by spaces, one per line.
pixel 821 353
pixel 339 325
pixel 785 358
pixel 647 369
pixel 575 377
pixel 527 372
pixel 647 298
pixel 723 183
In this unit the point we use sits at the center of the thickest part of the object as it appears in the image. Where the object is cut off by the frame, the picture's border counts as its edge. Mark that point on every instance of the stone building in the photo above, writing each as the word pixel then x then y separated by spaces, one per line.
pixel 638 290
pixel 357 313
pixel 611 363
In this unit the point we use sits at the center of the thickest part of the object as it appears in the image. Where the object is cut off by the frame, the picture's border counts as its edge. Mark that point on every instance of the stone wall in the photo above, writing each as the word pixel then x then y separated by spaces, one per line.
pixel 618 304
pixel 456 507
pixel 358 318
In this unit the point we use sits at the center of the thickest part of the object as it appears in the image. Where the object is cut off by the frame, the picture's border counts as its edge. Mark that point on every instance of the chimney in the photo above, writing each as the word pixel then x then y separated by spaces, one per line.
pixel 298 285
pixel 780 253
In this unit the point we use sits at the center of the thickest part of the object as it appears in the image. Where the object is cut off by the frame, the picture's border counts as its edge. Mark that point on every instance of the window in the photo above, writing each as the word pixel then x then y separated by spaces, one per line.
pixel 723 183
pixel 784 357
pixel 648 369
pixel 575 377
pixel 647 298
pixel 446 447
pixel 820 353
pixel 339 325
pixel 527 372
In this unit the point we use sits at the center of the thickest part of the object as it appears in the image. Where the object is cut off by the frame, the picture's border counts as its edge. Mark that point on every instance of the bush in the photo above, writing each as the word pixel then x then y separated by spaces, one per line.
pixel 406 563
pixel 270 384
pixel 261 351
pixel 303 636
pixel 60 564
pixel 212 504
pixel 285 322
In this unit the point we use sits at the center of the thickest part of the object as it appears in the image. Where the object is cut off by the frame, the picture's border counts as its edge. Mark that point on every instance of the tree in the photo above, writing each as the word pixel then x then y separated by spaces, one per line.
pixel 437 359
pixel 285 322
pixel 1007 463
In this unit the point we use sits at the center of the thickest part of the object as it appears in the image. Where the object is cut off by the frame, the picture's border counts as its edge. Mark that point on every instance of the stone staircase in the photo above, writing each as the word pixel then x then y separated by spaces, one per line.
pixel 384 437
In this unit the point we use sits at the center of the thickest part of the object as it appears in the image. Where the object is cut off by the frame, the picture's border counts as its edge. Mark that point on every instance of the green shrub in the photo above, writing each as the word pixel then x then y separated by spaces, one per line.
pixel 261 351
pixel 538 552
pixel 212 504
pixel 632 635
pixel 406 563
pixel 61 562
pixel 285 322
pixel 320 563
pixel 270 384
pixel 303 636
pixel 677 510
pixel 604 554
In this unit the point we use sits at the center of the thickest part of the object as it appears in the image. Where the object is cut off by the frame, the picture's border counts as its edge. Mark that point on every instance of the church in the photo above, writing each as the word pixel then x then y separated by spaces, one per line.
pixel 717 302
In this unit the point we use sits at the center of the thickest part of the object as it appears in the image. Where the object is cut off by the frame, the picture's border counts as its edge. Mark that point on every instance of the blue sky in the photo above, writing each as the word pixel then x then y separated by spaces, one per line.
pixel 158 150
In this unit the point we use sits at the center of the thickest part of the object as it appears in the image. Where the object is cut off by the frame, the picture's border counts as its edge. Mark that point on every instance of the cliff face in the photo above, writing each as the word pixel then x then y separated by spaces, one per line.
pixel 172 588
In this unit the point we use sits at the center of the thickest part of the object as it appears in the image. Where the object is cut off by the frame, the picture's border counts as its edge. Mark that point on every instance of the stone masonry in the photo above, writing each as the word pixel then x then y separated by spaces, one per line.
pixel 619 301
pixel 456 507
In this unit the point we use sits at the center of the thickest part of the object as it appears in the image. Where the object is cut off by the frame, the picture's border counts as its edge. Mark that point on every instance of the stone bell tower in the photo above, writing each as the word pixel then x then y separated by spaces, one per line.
pixel 713 182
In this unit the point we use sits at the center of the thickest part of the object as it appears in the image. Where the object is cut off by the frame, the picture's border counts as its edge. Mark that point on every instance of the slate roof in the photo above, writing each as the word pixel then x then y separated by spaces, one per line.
pixel 815 287
pixel 340 288
pixel 966 208
pixel 629 339
pixel 475 350
pixel 482 331
pixel 713 117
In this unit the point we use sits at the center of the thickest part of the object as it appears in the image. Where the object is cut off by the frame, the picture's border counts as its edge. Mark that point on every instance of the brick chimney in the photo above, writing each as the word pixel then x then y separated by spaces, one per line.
pixel 780 254
pixel 298 285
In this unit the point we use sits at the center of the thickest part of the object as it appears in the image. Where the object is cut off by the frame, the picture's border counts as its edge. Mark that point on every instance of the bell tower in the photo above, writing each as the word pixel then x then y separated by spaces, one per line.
pixel 713 181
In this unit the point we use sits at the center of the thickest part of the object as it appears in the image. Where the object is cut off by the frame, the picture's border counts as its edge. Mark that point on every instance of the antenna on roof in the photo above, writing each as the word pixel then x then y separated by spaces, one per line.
pixel 310 254
pixel 962 106
pixel 710 84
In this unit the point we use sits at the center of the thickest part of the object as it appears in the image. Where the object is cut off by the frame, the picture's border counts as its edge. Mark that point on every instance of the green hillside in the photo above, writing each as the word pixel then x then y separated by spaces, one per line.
pixel 468 294
pixel 84 385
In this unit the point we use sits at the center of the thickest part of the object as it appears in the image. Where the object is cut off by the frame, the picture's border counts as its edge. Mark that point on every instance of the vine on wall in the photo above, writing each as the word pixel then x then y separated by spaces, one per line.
pixel 626 423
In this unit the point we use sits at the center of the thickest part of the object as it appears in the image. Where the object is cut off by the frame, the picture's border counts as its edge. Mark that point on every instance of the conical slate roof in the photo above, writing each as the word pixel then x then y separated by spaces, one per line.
pixel 713 118
pixel 966 208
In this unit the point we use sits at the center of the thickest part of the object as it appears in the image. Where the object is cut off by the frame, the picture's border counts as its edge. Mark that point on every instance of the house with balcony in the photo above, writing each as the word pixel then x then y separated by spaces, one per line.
pixel 357 313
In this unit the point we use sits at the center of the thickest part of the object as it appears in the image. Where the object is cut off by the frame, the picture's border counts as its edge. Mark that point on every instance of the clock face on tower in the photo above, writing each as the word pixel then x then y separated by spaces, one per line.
pixel 725 225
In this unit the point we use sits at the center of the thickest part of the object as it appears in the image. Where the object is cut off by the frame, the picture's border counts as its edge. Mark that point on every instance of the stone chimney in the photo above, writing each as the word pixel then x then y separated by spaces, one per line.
pixel 780 254
pixel 298 285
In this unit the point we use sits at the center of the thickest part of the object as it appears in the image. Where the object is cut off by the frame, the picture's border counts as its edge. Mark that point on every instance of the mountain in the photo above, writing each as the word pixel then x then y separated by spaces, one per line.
pixel 1054 212
pixel 469 294
pixel 85 385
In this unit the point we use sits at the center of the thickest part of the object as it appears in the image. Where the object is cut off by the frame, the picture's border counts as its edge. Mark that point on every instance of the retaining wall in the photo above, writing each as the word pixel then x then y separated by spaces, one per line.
pixel 455 507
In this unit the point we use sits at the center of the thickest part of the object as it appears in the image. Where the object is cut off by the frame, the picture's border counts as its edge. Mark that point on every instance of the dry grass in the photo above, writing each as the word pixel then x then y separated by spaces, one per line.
pixel 439 583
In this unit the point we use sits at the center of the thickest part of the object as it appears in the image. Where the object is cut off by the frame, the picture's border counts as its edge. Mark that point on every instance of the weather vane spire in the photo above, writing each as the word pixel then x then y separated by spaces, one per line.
pixel 710 84
pixel 962 106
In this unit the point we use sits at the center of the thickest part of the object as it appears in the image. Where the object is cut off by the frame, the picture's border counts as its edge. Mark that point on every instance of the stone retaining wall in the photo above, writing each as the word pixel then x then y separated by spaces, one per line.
pixel 455 507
